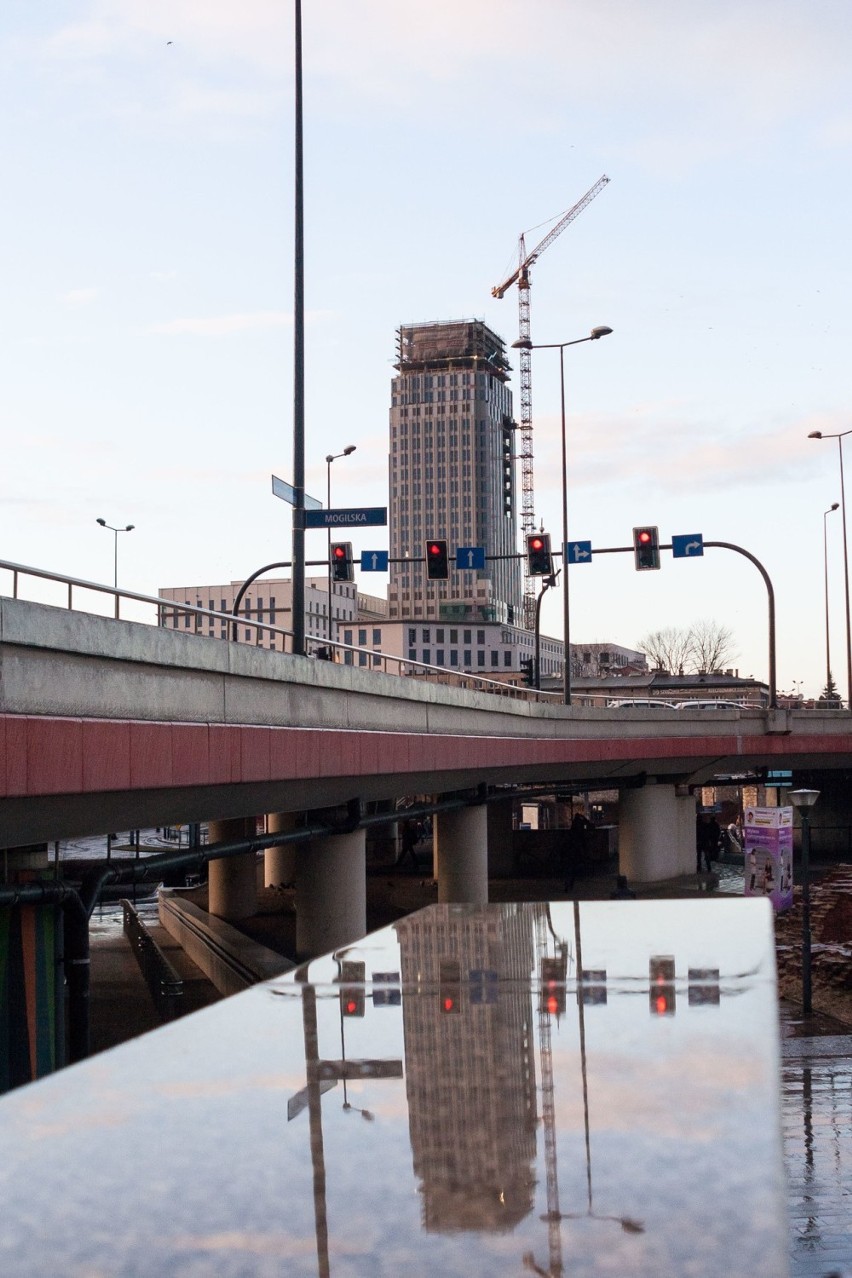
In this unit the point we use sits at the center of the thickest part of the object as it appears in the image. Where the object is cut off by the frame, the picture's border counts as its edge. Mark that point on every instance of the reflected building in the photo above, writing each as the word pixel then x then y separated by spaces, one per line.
pixel 469 1031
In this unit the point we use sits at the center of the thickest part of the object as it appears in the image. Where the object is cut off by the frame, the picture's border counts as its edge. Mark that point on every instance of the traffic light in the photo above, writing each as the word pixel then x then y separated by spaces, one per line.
pixel 552 988
pixel 449 987
pixel 661 991
pixel 437 565
pixel 528 671
pixel 539 562
pixel 352 978
pixel 646 548
pixel 341 561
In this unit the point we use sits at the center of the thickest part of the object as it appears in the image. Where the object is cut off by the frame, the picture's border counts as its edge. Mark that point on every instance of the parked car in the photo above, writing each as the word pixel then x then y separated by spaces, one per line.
pixel 642 703
pixel 714 705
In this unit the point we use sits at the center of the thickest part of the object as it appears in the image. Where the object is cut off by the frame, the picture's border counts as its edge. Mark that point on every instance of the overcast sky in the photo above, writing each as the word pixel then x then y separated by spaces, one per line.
pixel 147 247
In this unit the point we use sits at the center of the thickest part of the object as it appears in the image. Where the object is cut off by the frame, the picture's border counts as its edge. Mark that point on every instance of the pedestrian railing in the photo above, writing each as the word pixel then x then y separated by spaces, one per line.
pixel 164 983
pixel 77 594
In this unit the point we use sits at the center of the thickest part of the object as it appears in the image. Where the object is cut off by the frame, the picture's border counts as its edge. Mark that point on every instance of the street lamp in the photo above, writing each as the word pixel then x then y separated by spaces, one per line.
pixel 825 514
pixel 818 434
pixel 804 800
pixel 128 528
pixel 329 459
pixel 524 344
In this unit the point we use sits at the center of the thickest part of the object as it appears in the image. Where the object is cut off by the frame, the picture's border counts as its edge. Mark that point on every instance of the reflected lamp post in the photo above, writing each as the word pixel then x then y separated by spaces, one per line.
pixel 825 514
pixel 804 800
pixel 840 436
pixel 524 344
pixel 127 528
pixel 329 459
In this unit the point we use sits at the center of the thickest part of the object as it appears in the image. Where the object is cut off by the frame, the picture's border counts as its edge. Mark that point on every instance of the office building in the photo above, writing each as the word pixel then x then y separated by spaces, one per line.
pixel 452 474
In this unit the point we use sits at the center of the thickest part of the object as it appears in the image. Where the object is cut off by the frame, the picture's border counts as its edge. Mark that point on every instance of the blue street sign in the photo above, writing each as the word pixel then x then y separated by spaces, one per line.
pixel 369 517
pixel 374 561
pixel 287 492
pixel 472 557
pixel 579 552
pixel 688 546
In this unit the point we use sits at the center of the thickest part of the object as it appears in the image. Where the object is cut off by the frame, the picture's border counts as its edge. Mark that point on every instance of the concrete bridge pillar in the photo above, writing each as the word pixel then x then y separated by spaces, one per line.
pixel 232 881
pixel 331 892
pixel 656 834
pixel 279 864
pixel 461 855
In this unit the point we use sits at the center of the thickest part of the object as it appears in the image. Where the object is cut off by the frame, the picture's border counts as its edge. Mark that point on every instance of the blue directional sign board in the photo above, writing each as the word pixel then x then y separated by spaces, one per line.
pixel 687 546
pixel 287 492
pixel 579 552
pixel 472 557
pixel 374 561
pixel 368 517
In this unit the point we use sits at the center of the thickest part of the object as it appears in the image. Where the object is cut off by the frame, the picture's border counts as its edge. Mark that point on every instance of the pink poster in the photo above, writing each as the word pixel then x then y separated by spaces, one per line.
pixel 769 854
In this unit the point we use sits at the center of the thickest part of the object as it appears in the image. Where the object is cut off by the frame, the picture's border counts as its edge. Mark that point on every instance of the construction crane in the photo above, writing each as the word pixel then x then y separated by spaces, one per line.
pixel 522 276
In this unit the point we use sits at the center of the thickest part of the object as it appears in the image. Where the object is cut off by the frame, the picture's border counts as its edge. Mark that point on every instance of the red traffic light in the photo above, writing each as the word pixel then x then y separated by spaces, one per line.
pixel 539 562
pixel 644 536
pixel 339 552
pixel 437 564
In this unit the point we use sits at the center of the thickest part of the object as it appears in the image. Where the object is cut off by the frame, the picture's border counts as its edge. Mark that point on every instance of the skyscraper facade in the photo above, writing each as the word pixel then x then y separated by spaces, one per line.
pixel 452 474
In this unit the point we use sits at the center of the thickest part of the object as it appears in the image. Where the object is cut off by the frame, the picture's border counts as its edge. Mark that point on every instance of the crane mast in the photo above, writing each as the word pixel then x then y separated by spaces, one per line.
pixel 521 276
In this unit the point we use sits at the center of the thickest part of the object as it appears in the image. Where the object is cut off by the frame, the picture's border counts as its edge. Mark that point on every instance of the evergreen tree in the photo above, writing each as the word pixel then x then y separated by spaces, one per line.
pixel 831 694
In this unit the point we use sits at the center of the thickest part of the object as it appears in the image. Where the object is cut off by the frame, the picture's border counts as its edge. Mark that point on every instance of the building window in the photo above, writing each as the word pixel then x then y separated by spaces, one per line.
pixel 412 654
pixel 362 658
pixel 480 636
pixel 480 658
pixel 362 638
pixel 347 636
pixel 454 657
pixel 507 658
pixel 412 635
pixel 467 657
pixel 439 636
pixel 495 658
pixel 440 657
pixel 468 635
pixel 427 638
pixel 427 657
pixel 377 636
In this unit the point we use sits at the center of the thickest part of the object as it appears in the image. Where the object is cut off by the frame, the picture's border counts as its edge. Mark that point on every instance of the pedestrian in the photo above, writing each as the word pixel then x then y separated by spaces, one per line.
pixel 410 838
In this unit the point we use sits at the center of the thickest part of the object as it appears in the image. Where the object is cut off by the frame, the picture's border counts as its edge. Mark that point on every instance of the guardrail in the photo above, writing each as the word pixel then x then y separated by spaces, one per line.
pixel 317 646
pixel 164 983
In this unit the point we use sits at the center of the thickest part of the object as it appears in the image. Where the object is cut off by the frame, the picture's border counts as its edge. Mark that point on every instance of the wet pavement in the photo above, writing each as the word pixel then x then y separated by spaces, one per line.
pixel 816 1121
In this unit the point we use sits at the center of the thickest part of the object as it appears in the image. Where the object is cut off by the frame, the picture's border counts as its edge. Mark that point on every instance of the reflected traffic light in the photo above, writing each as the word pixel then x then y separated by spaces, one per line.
pixel 661 993
pixel 449 986
pixel 352 978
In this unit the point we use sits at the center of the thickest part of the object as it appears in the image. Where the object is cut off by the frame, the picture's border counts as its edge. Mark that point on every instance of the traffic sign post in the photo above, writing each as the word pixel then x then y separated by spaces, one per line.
pixel 577 552
pixel 470 557
pixel 687 546
pixel 367 517
pixel 374 561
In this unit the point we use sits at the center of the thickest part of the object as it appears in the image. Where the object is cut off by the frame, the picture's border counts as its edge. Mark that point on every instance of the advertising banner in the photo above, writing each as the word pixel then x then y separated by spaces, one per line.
pixel 768 850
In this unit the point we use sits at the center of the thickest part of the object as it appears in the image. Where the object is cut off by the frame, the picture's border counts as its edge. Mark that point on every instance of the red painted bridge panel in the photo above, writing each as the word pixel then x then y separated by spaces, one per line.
pixel 42 755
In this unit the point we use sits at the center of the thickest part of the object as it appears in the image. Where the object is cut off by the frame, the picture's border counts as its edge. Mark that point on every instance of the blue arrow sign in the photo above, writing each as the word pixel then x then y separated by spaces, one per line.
pixel 579 552
pixel 688 546
pixel 369 517
pixel 472 557
pixel 374 561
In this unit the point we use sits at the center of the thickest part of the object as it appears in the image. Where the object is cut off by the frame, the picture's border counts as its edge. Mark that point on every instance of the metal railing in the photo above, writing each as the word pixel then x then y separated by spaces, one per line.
pixel 164 983
pixel 170 611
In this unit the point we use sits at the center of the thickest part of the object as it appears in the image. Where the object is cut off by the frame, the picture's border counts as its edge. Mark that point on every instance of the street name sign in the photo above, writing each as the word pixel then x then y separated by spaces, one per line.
pixel 687 546
pixel 470 557
pixel 367 517
pixel 579 552
pixel 287 492
pixel 374 561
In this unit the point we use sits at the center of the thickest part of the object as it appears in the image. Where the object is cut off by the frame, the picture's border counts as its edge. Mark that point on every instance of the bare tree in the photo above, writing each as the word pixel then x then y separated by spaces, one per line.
pixel 667 649
pixel 711 646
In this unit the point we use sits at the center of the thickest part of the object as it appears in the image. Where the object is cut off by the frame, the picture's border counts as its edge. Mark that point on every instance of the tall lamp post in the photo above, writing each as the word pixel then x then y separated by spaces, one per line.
pixel 818 434
pixel 804 800
pixel 825 515
pixel 524 344
pixel 128 528
pixel 329 459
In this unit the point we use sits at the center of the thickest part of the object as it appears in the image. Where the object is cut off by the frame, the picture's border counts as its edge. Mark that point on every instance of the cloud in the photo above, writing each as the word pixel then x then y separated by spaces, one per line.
pixel 222 325
pixel 78 297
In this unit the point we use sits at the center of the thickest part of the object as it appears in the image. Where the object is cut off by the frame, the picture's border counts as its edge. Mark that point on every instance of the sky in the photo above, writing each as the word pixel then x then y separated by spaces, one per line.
pixel 147 264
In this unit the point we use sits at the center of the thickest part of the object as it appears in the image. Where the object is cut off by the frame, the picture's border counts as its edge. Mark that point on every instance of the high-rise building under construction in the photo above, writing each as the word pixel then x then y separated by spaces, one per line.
pixel 452 474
